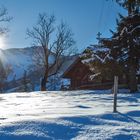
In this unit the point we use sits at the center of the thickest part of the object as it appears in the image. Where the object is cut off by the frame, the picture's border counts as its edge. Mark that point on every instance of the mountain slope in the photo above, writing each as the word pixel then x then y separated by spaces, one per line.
pixel 20 60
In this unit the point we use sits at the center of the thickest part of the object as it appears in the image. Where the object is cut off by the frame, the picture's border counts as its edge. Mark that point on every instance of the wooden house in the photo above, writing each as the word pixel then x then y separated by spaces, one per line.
pixel 79 75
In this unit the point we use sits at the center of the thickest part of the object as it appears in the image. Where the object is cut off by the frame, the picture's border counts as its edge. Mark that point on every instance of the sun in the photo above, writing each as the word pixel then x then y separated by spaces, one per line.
pixel 2 43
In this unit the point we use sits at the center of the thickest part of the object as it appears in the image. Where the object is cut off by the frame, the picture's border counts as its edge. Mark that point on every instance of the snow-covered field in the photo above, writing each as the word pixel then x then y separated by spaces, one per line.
pixel 76 115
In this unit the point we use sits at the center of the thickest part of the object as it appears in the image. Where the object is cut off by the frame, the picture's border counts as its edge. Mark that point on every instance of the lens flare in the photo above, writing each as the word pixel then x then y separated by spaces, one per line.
pixel 2 42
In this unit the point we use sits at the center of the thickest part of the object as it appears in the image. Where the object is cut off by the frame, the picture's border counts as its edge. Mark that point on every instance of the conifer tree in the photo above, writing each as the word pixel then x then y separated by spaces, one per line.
pixel 125 42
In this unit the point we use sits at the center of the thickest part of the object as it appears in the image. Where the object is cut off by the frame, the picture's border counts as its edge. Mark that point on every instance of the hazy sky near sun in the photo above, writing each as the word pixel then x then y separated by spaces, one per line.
pixel 85 17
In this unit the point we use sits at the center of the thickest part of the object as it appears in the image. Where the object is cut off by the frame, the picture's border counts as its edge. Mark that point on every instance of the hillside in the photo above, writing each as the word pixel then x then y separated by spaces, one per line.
pixel 20 60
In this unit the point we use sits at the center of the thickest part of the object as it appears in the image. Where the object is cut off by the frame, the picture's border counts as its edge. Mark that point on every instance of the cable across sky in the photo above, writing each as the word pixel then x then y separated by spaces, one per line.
pixel 85 17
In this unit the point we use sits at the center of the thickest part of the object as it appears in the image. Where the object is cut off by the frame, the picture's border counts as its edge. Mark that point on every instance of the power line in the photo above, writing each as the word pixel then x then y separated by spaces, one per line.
pixel 108 11
pixel 101 16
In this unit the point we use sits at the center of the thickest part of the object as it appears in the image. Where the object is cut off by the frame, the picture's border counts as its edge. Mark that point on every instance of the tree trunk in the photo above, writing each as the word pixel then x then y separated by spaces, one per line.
pixel 43 81
pixel 132 79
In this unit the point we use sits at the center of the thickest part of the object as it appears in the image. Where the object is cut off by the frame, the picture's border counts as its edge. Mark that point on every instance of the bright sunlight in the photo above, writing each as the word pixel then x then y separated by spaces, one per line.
pixel 2 42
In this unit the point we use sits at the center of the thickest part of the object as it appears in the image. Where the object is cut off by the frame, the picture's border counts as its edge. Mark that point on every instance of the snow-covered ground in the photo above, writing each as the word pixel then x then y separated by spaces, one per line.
pixel 76 115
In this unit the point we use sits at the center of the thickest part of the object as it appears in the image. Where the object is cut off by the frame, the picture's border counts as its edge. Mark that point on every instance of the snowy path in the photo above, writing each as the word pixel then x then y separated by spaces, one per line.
pixel 77 115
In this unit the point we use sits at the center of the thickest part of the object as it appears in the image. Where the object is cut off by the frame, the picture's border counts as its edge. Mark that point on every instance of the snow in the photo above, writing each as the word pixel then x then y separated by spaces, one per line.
pixel 76 115
pixel 135 29
pixel 125 30
pixel 94 75
pixel 98 48
pixel 88 60
pixel 20 60
pixel 95 55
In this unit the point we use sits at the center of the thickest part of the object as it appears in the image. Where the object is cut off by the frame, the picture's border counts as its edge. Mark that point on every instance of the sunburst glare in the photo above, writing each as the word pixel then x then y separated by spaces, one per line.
pixel 2 42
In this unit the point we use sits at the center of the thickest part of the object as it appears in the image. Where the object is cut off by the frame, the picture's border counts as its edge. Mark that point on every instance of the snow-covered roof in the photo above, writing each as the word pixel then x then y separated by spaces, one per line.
pixel 96 51
pixel 98 48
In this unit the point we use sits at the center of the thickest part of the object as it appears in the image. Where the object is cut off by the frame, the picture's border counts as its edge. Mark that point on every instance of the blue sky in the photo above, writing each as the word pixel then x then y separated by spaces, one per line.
pixel 85 17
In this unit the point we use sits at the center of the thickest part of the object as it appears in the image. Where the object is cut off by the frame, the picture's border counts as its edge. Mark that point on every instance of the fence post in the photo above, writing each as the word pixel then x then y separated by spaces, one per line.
pixel 115 90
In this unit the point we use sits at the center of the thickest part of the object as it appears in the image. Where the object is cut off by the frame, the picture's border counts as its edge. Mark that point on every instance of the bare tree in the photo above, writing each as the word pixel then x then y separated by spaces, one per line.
pixel 42 35
pixel 4 71
pixel 4 18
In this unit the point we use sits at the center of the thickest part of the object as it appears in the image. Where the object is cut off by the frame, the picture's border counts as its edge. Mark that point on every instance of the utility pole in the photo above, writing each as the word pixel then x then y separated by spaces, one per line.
pixel 115 90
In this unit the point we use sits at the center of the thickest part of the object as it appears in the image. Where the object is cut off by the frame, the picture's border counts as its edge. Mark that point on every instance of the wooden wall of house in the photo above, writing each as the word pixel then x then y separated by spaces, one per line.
pixel 79 75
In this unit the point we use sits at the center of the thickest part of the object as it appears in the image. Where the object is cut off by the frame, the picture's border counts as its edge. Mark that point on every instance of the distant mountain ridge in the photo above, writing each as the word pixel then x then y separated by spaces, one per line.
pixel 21 59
